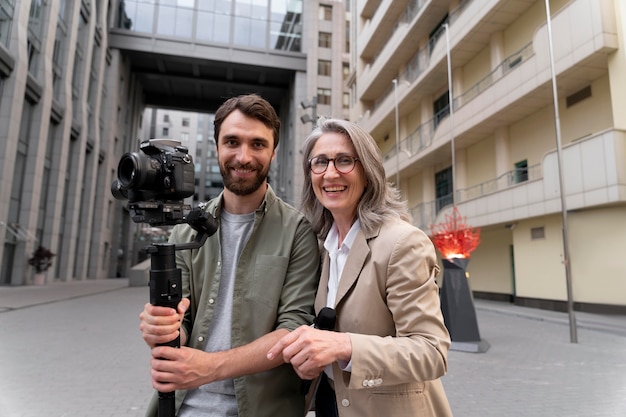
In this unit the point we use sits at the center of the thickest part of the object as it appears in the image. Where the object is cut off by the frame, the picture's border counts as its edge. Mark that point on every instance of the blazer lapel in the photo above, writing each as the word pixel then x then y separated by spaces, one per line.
pixel 322 289
pixel 359 252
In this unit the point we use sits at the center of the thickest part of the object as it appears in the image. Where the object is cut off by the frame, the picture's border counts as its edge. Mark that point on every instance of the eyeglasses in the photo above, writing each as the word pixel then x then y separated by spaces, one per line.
pixel 344 164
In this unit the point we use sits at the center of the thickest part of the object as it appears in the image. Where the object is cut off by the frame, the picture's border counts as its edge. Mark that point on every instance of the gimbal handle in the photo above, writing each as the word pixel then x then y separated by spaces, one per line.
pixel 166 287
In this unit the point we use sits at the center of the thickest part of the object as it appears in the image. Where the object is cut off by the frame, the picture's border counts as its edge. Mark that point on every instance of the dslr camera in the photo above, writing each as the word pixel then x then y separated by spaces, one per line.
pixel 155 181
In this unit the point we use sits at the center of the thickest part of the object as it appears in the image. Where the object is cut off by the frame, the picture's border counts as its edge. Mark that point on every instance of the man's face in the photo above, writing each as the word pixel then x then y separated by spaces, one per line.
pixel 245 150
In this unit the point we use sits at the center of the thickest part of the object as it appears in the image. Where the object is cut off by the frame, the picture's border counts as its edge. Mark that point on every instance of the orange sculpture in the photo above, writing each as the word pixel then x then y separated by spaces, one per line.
pixel 454 238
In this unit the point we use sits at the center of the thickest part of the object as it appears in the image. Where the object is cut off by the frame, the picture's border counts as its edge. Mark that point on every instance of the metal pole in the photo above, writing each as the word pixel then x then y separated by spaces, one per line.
pixel 566 263
pixel 451 105
pixel 395 94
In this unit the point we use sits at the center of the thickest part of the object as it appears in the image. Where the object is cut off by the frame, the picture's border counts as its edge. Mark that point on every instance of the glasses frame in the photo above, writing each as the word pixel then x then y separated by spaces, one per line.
pixel 329 160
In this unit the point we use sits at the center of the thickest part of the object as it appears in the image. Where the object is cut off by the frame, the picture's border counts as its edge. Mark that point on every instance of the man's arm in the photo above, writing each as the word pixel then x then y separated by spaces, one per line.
pixel 187 368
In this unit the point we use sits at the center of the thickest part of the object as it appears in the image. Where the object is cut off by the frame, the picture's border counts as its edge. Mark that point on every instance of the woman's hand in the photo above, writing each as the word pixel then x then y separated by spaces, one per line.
pixel 310 350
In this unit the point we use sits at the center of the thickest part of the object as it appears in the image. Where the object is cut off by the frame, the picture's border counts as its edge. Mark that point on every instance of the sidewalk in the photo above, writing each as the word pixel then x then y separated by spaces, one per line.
pixel 74 350
pixel 23 296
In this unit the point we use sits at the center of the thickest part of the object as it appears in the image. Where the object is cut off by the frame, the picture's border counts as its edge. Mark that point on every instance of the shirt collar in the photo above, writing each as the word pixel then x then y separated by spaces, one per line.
pixel 332 239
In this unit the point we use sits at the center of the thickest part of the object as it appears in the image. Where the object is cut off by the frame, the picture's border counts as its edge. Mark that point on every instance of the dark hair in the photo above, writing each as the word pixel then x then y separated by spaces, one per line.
pixel 379 201
pixel 252 105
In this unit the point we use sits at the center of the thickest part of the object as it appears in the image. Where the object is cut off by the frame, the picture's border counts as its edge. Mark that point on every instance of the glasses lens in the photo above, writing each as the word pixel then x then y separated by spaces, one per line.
pixel 344 164
pixel 318 165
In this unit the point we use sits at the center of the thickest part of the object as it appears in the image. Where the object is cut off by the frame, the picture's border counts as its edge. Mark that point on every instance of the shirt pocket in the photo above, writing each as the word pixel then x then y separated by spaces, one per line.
pixel 268 279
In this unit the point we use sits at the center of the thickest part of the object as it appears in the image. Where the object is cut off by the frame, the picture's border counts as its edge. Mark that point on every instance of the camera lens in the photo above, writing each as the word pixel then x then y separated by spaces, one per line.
pixel 138 172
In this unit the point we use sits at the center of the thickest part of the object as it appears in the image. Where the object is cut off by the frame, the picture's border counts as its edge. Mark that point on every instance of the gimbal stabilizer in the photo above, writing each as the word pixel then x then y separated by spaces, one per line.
pixel 166 283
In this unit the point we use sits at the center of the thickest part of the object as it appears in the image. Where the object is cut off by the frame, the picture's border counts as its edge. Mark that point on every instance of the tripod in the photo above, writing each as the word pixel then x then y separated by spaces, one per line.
pixel 166 282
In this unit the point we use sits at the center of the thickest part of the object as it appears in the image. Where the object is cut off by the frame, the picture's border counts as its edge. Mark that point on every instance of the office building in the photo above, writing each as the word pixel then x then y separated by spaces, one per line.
pixel 459 96
pixel 77 75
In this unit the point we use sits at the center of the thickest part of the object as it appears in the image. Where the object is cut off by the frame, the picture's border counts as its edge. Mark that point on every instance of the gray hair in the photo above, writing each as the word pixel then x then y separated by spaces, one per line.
pixel 380 200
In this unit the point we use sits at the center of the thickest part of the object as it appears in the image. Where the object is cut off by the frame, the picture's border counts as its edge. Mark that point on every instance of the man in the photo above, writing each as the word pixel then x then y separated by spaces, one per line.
pixel 250 284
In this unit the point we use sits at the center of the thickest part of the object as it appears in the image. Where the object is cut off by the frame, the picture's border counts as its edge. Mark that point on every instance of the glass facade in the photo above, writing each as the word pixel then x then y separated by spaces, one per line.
pixel 6 16
pixel 265 24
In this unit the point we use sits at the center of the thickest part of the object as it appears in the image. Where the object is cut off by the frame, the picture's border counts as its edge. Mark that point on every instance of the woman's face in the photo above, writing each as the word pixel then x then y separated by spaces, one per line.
pixel 338 192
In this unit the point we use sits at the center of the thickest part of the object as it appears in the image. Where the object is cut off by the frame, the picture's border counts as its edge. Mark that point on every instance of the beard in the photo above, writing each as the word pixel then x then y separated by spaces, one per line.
pixel 242 186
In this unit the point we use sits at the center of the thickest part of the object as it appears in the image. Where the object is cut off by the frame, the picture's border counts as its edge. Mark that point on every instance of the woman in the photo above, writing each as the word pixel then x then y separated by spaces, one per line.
pixel 378 272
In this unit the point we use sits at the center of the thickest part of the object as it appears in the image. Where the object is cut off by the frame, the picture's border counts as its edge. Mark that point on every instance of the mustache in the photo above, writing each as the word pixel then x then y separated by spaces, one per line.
pixel 241 166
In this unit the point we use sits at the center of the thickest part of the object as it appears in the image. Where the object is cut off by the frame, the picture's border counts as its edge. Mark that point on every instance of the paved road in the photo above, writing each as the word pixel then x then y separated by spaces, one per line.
pixel 74 350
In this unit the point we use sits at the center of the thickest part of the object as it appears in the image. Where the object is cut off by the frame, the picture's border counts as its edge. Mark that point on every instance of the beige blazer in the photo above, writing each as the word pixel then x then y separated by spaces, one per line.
pixel 388 302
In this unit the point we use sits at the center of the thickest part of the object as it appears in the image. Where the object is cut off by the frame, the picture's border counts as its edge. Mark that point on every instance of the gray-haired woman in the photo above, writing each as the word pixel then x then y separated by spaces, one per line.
pixel 389 348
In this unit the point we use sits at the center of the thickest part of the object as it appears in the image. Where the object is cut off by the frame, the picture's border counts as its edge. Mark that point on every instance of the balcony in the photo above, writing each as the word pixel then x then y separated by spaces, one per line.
pixel 518 86
pixel 594 175
pixel 509 96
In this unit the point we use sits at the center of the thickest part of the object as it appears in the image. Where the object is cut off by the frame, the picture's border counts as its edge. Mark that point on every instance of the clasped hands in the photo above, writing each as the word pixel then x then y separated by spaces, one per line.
pixel 310 350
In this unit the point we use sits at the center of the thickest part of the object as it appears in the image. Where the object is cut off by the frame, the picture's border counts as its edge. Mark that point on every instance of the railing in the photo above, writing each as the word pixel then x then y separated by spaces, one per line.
pixel 418 140
pixel 421 60
pixel 500 71
pixel 506 180
pixel 424 214
pixel 411 10
pixel 422 137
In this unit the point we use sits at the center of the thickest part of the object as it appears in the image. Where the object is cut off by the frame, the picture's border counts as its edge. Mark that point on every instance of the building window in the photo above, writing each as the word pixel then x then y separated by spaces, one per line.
pixel 286 25
pixel 35 26
pixel 347 43
pixel 325 40
pixel 184 137
pixel 185 122
pixel 443 188
pixel 578 96
pixel 537 233
pixel 166 131
pixel 323 67
pixel 346 70
pixel 57 69
pixel 346 100
pixel 441 108
pixel 323 96
pixel 436 33
pixel 250 23
pixel 326 12
pixel 6 17
pixel 166 118
pixel 521 171
pixel 174 19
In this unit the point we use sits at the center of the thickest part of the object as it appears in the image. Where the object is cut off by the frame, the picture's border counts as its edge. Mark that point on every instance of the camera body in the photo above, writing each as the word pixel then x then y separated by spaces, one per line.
pixel 155 181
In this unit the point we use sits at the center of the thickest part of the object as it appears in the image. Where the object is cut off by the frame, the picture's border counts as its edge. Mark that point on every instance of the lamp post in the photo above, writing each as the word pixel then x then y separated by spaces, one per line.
pixel 451 106
pixel 395 95
pixel 557 123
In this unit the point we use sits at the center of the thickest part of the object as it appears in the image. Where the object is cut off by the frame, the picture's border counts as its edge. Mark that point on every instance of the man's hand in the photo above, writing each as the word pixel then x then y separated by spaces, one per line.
pixel 161 325
pixel 183 368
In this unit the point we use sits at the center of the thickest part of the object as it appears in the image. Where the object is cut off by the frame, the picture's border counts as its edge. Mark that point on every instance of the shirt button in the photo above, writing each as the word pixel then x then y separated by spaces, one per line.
pixel 370 383
pixel 345 402
pixel 211 300
pixel 379 381
pixel 365 383
pixel 200 338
